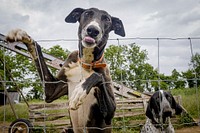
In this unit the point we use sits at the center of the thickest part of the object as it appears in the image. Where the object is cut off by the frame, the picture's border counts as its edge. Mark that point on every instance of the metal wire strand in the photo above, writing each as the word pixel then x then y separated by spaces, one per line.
pixel 195 76
pixel 124 126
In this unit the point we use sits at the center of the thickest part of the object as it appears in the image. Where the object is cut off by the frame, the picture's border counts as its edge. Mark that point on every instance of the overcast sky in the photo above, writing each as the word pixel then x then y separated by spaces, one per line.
pixel 44 20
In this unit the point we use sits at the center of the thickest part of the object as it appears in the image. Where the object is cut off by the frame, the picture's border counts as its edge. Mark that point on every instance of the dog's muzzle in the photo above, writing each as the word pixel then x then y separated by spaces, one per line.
pixel 93 31
pixel 91 35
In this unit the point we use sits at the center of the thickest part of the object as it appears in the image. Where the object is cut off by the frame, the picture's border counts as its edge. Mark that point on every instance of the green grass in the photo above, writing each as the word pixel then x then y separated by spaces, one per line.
pixel 190 100
pixel 20 109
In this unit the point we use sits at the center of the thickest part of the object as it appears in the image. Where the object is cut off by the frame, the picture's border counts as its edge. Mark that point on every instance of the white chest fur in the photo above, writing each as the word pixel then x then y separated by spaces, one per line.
pixel 76 75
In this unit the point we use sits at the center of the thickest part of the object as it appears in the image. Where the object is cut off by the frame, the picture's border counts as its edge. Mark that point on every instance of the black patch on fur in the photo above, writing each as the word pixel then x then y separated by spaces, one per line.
pixel 97 118
pixel 92 81
pixel 154 105
pixel 118 27
pixel 74 16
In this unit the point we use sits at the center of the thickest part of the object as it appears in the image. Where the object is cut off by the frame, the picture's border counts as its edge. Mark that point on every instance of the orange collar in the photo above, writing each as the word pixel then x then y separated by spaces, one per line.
pixel 96 64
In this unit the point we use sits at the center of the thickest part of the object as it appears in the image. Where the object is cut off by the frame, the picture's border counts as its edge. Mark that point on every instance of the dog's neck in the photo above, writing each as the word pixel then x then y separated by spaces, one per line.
pixel 91 57
pixel 87 55
pixel 161 125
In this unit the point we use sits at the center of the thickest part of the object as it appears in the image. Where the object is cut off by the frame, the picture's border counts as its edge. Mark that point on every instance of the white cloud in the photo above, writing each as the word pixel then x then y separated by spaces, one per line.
pixel 156 18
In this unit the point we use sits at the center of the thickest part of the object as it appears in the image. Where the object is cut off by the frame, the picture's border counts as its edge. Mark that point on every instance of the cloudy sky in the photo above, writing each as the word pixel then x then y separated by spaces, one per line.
pixel 44 20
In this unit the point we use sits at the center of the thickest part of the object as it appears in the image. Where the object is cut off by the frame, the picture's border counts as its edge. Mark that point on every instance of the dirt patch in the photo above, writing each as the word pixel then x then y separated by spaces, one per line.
pixel 4 127
pixel 194 129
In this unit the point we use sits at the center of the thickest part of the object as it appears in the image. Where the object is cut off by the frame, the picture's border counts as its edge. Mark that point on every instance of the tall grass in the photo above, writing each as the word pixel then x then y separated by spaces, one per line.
pixel 190 100
pixel 21 109
pixel 6 111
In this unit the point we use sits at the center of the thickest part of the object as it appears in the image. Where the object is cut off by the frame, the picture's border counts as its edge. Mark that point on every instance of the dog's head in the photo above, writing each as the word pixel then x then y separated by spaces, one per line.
pixel 161 105
pixel 95 26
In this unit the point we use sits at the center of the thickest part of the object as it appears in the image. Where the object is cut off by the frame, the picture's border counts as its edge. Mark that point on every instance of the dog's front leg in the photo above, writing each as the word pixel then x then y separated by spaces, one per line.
pixel 82 89
pixel 105 95
pixel 106 99
pixel 53 88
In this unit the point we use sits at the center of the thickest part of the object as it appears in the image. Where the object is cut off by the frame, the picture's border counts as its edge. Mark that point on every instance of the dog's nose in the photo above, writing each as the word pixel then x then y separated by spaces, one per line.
pixel 167 111
pixel 92 31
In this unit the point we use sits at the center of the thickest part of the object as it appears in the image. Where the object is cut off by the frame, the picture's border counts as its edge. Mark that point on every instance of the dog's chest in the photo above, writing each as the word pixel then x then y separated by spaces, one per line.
pixel 76 75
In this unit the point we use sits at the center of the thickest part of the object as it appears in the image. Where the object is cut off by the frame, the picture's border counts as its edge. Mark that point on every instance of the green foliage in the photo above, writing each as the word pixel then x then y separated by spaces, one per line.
pixel 193 72
pixel 177 78
pixel 189 75
pixel 23 71
pixel 190 99
pixel 57 51
pixel 186 120
pixel 128 63
pixel 16 67
pixel 21 111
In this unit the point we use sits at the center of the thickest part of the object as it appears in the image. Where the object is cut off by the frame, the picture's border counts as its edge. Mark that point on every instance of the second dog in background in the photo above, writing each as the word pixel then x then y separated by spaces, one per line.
pixel 159 111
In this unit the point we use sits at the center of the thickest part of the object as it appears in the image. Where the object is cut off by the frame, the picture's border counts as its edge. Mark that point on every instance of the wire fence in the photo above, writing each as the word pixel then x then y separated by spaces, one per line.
pixel 158 50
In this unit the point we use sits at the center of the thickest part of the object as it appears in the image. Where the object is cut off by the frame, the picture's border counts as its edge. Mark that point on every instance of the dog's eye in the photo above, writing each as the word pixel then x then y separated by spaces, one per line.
pixel 169 98
pixel 106 18
pixel 88 13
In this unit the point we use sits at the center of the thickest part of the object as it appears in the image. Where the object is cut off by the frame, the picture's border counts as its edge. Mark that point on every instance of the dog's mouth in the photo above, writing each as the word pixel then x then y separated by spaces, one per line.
pixel 89 40
pixel 166 115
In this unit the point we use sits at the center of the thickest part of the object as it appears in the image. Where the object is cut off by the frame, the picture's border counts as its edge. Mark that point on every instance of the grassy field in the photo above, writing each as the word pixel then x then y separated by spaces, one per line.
pixel 190 101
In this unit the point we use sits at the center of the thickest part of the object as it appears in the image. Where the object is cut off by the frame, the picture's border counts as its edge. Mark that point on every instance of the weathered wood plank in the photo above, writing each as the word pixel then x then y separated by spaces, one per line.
pixel 48 106
pixel 48 116
pixel 55 123
pixel 129 106
pixel 127 114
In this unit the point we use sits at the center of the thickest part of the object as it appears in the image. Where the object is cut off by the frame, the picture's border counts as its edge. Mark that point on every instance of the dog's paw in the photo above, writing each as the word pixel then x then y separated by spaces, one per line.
pixel 19 35
pixel 77 97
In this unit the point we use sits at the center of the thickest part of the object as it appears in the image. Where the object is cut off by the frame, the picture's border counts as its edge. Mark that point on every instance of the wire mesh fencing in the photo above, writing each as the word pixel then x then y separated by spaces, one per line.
pixel 132 89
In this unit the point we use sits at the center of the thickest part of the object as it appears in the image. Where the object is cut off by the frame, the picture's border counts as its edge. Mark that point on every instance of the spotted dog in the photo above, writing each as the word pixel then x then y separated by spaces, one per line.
pixel 84 76
pixel 159 110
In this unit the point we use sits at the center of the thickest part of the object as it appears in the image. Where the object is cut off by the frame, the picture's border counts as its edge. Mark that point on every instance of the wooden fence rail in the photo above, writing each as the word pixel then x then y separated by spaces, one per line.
pixel 56 114
pixel 41 114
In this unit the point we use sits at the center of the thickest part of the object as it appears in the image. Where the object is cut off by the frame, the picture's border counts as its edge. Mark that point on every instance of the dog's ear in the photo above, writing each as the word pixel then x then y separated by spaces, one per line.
pixel 74 16
pixel 117 26
pixel 152 106
pixel 149 113
pixel 176 106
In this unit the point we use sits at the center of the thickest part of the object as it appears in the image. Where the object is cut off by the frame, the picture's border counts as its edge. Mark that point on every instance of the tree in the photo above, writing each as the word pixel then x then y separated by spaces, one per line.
pixel 14 67
pixel 22 70
pixel 195 61
pixel 178 81
pixel 128 65
pixel 58 52
pixel 193 72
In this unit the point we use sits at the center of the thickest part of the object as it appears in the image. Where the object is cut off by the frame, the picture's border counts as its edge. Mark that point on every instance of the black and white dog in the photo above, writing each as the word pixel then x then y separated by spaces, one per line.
pixel 84 77
pixel 159 111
